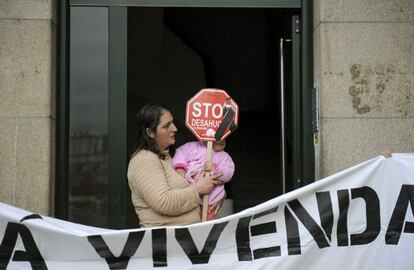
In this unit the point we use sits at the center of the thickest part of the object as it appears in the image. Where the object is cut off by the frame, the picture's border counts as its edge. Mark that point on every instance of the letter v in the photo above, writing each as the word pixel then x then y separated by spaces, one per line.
pixel 121 262
pixel 185 240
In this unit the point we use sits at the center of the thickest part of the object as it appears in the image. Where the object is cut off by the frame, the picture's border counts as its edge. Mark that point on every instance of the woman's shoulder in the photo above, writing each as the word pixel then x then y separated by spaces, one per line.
pixel 144 160
pixel 143 155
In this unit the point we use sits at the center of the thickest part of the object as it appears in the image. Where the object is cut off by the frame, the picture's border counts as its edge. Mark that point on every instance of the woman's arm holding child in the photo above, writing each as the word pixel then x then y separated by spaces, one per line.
pixel 179 161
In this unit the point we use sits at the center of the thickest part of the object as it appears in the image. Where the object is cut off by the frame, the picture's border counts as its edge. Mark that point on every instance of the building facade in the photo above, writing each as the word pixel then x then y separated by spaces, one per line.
pixel 362 67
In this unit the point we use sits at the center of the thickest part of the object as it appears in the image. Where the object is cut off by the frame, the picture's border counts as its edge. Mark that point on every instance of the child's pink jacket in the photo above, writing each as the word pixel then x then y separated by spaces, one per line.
pixel 192 157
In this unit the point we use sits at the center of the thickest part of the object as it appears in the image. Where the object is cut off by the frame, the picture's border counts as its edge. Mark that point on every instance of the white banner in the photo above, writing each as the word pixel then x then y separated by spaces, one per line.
pixel 360 218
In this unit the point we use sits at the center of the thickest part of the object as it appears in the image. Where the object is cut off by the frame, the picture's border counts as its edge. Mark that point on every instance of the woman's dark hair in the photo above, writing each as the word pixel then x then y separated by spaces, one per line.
pixel 149 117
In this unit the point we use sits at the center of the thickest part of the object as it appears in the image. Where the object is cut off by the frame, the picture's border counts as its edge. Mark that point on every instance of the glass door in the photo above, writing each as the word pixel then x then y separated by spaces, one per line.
pixel 88 116
pixel 290 100
pixel 123 54
pixel 97 116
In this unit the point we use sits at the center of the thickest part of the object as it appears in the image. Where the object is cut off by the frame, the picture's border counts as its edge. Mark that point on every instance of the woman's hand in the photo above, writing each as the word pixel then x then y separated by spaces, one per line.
pixel 206 184
pixel 387 154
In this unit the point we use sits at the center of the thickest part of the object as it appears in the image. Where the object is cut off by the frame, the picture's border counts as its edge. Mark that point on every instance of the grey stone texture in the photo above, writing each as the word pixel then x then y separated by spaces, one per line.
pixel 25 162
pixel 33 159
pixel 26 89
pixel 25 68
pixel 26 9
pixel 7 158
pixel 368 76
pixel 364 67
pixel 363 11
pixel 349 141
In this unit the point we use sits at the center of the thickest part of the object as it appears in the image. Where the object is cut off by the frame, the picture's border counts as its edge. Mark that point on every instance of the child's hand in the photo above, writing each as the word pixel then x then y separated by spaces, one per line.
pixel 209 166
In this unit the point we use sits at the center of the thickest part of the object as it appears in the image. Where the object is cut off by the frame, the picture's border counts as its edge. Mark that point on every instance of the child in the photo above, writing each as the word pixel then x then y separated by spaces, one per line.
pixel 190 161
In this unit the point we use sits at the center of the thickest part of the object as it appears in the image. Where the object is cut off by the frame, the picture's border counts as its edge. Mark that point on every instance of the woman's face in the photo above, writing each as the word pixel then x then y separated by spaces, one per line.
pixel 165 133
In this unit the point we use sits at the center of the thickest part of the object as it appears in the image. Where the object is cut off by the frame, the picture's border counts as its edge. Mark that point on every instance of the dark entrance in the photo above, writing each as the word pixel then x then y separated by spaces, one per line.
pixel 174 52
pixel 116 55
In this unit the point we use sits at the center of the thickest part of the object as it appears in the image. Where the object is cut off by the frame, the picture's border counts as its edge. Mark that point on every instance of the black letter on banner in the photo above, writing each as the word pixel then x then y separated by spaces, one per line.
pixel 310 224
pixel 32 216
pixel 325 212
pixel 159 247
pixel 342 226
pixel 292 233
pixel 121 262
pixel 395 227
pixel 265 228
pixel 243 239
pixel 8 244
pixel 372 213
pixel 185 240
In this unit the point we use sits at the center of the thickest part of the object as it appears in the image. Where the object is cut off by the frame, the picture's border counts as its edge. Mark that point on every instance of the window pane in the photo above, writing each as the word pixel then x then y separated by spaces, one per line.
pixel 88 145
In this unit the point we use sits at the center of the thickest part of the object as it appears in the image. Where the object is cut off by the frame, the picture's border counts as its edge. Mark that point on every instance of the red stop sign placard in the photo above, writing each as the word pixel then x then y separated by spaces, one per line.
pixel 211 115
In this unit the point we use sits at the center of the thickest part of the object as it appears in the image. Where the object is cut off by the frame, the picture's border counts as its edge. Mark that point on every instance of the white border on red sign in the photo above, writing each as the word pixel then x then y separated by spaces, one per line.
pixel 197 95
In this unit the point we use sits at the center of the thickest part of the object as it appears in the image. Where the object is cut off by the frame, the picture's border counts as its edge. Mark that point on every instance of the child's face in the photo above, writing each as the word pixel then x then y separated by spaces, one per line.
pixel 219 146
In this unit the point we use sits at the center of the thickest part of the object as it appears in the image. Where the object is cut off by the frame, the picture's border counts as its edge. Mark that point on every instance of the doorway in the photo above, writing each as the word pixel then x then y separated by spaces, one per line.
pixel 126 53
pixel 174 52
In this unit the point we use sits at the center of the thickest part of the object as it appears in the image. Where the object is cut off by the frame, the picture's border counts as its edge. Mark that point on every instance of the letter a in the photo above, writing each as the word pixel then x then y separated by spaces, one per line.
pixel 398 216
pixel 31 254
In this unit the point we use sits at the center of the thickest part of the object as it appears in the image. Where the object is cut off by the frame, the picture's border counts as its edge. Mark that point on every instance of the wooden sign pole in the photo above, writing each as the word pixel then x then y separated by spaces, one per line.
pixel 221 122
pixel 205 197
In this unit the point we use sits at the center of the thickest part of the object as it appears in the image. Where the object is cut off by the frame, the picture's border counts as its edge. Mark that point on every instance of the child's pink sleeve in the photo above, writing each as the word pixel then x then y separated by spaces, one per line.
pixel 225 165
pixel 180 160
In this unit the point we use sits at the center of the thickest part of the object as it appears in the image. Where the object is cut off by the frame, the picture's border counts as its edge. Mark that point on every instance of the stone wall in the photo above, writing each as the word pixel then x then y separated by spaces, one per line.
pixel 27 30
pixel 364 67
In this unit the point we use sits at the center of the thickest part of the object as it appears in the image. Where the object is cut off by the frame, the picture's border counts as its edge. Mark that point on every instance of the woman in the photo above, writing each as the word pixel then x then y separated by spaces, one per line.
pixel 160 195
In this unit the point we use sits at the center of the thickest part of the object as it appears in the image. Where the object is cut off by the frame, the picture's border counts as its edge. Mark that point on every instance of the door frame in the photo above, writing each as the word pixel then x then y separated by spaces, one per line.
pixel 192 3
pixel 117 81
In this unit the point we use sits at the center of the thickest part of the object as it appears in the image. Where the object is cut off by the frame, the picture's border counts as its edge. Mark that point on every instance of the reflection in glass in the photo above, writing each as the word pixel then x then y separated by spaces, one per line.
pixel 88 145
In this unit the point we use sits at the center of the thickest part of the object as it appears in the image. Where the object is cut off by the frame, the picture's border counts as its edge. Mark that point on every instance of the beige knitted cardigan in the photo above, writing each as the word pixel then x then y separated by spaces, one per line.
pixel 160 195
